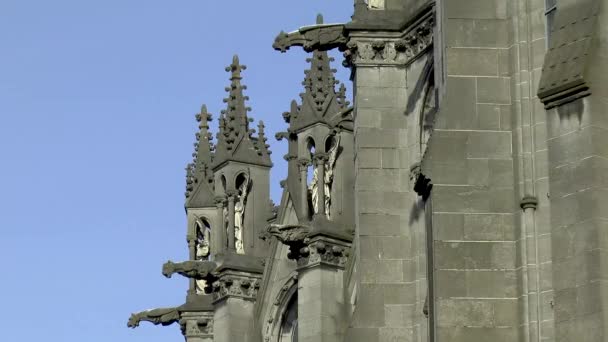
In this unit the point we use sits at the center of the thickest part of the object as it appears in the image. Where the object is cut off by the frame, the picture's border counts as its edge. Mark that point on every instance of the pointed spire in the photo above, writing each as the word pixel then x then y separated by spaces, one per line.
pixel 204 148
pixel 235 120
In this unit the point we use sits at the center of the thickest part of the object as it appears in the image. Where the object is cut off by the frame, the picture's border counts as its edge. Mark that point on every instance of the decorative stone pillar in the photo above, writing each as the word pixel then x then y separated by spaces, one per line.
pixel 303 164
pixel 320 159
pixel 231 196
pixel 197 326
pixel 220 232
pixel 234 294
pixel 321 314
pixel 192 250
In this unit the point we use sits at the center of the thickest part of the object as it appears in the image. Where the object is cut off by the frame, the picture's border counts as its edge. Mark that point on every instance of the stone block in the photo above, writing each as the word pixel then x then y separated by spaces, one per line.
pixel 383 180
pixel 379 225
pixel 476 33
pixel 381 271
pixel 486 227
pixel 398 158
pixel 488 117
pixel 448 226
pixel 377 138
pixel 368 77
pixel 369 158
pixel 478 9
pixel 399 315
pixel 368 117
pixel 496 145
pixel 396 335
pixel 361 334
pixel 465 312
pixel 450 283
pixel 392 77
pixel 472 62
pixel 377 202
pixel 494 90
pixel 460 104
pixel 399 293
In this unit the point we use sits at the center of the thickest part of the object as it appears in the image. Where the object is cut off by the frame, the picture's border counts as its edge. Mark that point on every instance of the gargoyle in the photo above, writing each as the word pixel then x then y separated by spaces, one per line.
pixel 422 184
pixel 163 316
pixel 316 37
pixel 189 269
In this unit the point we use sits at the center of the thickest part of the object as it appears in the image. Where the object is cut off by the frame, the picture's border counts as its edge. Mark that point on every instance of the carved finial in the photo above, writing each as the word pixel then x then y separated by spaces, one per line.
pixel 319 19
pixel 262 147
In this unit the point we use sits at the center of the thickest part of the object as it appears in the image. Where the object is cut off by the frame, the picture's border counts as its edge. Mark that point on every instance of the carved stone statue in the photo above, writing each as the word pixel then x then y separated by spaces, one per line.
pixel 239 215
pixel 314 190
pixel 329 173
pixel 203 234
pixel 225 214
pixel 164 316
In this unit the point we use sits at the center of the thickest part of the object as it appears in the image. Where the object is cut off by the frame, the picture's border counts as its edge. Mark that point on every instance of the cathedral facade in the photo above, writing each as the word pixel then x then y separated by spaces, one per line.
pixel 458 198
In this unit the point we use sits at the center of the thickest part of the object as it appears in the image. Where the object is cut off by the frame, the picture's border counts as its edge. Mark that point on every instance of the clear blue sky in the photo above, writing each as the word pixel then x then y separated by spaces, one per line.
pixel 97 104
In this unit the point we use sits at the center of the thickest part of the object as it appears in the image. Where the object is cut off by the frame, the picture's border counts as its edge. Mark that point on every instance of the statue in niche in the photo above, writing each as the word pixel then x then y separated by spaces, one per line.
pixel 239 215
pixel 314 191
pixel 203 234
pixel 202 252
pixel 329 173
pixel 327 179
pixel 226 224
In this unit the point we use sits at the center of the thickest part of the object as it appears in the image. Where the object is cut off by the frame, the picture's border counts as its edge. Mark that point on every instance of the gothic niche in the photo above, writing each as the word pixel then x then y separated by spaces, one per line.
pixel 202 248
pixel 243 187
pixel 332 145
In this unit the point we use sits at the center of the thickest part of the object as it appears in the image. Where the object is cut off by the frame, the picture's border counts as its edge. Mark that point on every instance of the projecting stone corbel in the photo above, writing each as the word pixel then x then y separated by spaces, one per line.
pixel 564 78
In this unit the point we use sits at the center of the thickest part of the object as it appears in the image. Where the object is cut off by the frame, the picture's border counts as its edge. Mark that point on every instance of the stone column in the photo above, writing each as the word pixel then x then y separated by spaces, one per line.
pixel 231 196
pixel 320 159
pixel 192 250
pixel 388 299
pixel 234 295
pixel 303 164
pixel 321 312
pixel 219 244
pixel 197 326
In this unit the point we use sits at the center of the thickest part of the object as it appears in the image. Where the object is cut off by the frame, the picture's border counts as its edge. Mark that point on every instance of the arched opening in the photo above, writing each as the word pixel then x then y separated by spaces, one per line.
pixel 289 321
pixel 203 239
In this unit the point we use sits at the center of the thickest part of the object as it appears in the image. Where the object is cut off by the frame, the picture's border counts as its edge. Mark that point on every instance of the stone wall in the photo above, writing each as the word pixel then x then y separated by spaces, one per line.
pixel 470 162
